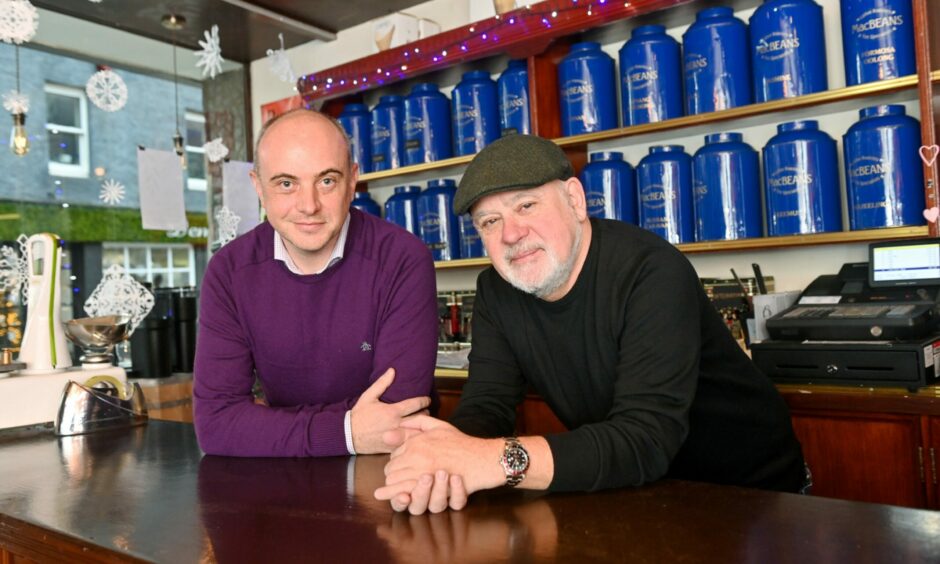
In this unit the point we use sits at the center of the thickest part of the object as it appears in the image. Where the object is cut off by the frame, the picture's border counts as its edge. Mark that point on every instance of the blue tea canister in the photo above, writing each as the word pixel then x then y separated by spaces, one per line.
pixel 610 187
pixel 364 202
pixel 726 184
pixel 513 91
pixel 664 186
pixel 587 91
pixel 715 62
pixel 883 172
pixel 650 76
pixel 427 125
pixel 788 49
pixel 356 121
pixel 388 134
pixel 474 111
pixel 436 221
pixel 401 208
pixel 801 181
pixel 877 40
pixel 471 246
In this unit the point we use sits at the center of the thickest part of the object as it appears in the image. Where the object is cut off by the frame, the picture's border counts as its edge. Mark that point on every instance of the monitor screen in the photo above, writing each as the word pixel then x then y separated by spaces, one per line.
pixel 904 263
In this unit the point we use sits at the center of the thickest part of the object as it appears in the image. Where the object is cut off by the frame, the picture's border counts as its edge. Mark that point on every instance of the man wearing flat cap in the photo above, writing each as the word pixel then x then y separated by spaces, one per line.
pixel 610 324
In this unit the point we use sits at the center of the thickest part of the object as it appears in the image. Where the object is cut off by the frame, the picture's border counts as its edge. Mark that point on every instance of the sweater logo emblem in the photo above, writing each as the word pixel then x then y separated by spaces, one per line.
pixel 366 347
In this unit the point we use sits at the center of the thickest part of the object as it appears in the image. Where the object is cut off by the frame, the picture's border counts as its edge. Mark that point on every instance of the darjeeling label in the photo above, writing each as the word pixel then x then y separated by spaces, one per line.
pixel 788 180
pixel 776 45
pixel 876 23
pixel 866 171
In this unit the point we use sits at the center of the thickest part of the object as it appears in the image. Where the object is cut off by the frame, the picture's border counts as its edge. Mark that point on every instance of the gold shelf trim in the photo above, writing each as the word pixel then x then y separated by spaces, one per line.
pixel 451 372
pixel 757 243
pixel 818 98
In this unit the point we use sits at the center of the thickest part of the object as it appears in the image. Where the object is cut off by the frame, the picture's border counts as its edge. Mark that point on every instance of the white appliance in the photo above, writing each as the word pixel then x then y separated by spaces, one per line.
pixel 43 348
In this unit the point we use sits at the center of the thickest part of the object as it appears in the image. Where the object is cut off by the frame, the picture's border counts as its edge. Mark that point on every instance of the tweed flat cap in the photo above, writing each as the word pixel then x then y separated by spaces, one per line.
pixel 513 162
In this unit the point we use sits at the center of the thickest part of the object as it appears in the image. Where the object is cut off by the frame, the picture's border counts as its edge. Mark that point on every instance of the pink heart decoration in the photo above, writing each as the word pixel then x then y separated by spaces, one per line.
pixel 931 214
pixel 928 154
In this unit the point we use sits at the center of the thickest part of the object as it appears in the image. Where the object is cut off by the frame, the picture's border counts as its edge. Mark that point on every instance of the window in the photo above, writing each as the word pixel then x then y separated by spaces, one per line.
pixel 67 131
pixel 161 265
pixel 195 154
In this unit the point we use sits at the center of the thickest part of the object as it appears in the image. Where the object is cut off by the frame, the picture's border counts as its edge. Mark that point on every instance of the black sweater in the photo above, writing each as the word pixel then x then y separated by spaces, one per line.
pixel 638 365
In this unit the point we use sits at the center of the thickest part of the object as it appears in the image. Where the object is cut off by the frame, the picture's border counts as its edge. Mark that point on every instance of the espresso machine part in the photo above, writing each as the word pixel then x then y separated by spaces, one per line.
pixel 43 348
pixel 96 336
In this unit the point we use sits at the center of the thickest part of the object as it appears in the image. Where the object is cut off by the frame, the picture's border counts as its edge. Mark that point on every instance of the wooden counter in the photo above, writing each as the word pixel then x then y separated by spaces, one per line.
pixel 147 494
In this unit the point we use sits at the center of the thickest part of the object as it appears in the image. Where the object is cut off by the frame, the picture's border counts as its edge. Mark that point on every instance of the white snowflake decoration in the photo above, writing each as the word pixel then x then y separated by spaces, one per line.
pixel 280 64
pixel 16 102
pixel 119 294
pixel 226 224
pixel 14 269
pixel 215 150
pixel 106 89
pixel 210 57
pixel 18 21
pixel 112 192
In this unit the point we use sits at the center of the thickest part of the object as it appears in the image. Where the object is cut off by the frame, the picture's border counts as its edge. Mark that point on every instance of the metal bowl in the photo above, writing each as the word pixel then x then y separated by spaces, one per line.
pixel 97 335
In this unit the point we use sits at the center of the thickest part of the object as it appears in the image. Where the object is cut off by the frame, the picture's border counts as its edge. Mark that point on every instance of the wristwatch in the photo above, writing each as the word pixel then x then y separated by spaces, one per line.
pixel 515 461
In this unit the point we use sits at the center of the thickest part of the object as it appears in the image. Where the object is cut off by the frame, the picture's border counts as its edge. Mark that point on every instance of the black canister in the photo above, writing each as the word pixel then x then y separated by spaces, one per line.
pixel 185 313
pixel 152 348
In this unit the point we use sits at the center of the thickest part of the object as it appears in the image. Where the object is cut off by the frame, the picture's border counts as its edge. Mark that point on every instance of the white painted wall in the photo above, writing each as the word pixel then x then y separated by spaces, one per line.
pixel 792 268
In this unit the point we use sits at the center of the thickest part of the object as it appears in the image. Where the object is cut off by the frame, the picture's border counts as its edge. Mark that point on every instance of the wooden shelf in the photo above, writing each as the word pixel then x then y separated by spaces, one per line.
pixel 581 141
pixel 758 243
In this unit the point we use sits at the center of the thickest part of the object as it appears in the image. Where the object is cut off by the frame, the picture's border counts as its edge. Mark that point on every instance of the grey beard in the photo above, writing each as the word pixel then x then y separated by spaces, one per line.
pixel 557 277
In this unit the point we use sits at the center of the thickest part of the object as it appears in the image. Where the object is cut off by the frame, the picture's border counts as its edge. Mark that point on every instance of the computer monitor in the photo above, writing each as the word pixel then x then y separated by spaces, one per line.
pixel 913 262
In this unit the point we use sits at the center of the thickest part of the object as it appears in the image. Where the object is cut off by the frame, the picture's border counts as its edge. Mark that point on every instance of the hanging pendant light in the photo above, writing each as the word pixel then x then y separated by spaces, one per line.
pixel 175 23
pixel 19 139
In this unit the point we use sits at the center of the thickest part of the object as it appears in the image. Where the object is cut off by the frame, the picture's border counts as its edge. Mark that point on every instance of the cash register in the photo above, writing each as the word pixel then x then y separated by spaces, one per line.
pixel 874 323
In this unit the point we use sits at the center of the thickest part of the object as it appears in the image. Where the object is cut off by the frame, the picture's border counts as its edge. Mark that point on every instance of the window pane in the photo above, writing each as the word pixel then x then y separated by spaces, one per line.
pixel 196 165
pixel 63 148
pixel 159 280
pixel 111 257
pixel 62 110
pixel 195 134
pixel 181 258
pixel 136 258
pixel 159 258
pixel 181 279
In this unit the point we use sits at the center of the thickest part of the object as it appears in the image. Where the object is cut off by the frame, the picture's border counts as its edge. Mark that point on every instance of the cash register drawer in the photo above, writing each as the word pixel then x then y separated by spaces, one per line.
pixel 898 364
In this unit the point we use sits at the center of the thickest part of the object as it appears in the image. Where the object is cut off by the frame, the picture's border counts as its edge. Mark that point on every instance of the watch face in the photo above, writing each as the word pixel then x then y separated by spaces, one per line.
pixel 517 460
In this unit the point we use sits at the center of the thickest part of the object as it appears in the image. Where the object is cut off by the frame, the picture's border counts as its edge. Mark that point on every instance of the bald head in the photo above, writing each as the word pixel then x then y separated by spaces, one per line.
pixel 302 114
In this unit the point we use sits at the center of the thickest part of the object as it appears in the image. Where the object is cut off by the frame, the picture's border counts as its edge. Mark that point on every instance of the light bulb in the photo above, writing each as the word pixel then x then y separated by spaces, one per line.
pixel 180 149
pixel 19 140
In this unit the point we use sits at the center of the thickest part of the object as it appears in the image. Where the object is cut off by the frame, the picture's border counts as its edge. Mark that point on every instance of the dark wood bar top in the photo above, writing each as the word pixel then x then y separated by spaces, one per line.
pixel 148 494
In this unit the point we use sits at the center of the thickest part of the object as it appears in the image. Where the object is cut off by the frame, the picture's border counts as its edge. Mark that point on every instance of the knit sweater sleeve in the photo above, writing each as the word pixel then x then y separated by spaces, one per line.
pixel 653 388
pixel 496 385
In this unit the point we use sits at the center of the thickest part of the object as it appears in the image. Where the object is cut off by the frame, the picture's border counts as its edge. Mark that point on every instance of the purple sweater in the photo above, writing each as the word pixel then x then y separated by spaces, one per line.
pixel 316 342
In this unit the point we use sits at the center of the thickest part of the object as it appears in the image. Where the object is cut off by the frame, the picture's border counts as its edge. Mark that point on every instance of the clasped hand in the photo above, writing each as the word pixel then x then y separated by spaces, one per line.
pixel 437 467
pixel 372 419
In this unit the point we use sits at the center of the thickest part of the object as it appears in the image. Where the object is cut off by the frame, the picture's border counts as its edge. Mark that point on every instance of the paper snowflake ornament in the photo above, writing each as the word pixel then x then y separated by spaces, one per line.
pixel 14 269
pixel 210 57
pixel 226 225
pixel 119 294
pixel 215 150
pixel 106 89
pixel 112 192
pixel 16 102
pixel 280 64
pixel 18 21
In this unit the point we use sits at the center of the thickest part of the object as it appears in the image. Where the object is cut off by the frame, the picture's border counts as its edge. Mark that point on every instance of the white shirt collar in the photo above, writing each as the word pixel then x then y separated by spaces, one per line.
pixel 281 254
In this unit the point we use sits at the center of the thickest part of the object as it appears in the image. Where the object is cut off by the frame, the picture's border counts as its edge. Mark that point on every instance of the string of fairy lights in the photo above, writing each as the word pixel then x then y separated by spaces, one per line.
pixel 483 38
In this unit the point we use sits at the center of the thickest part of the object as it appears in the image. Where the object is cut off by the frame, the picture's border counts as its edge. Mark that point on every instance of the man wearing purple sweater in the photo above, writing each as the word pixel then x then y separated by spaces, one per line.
pixel 334 311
